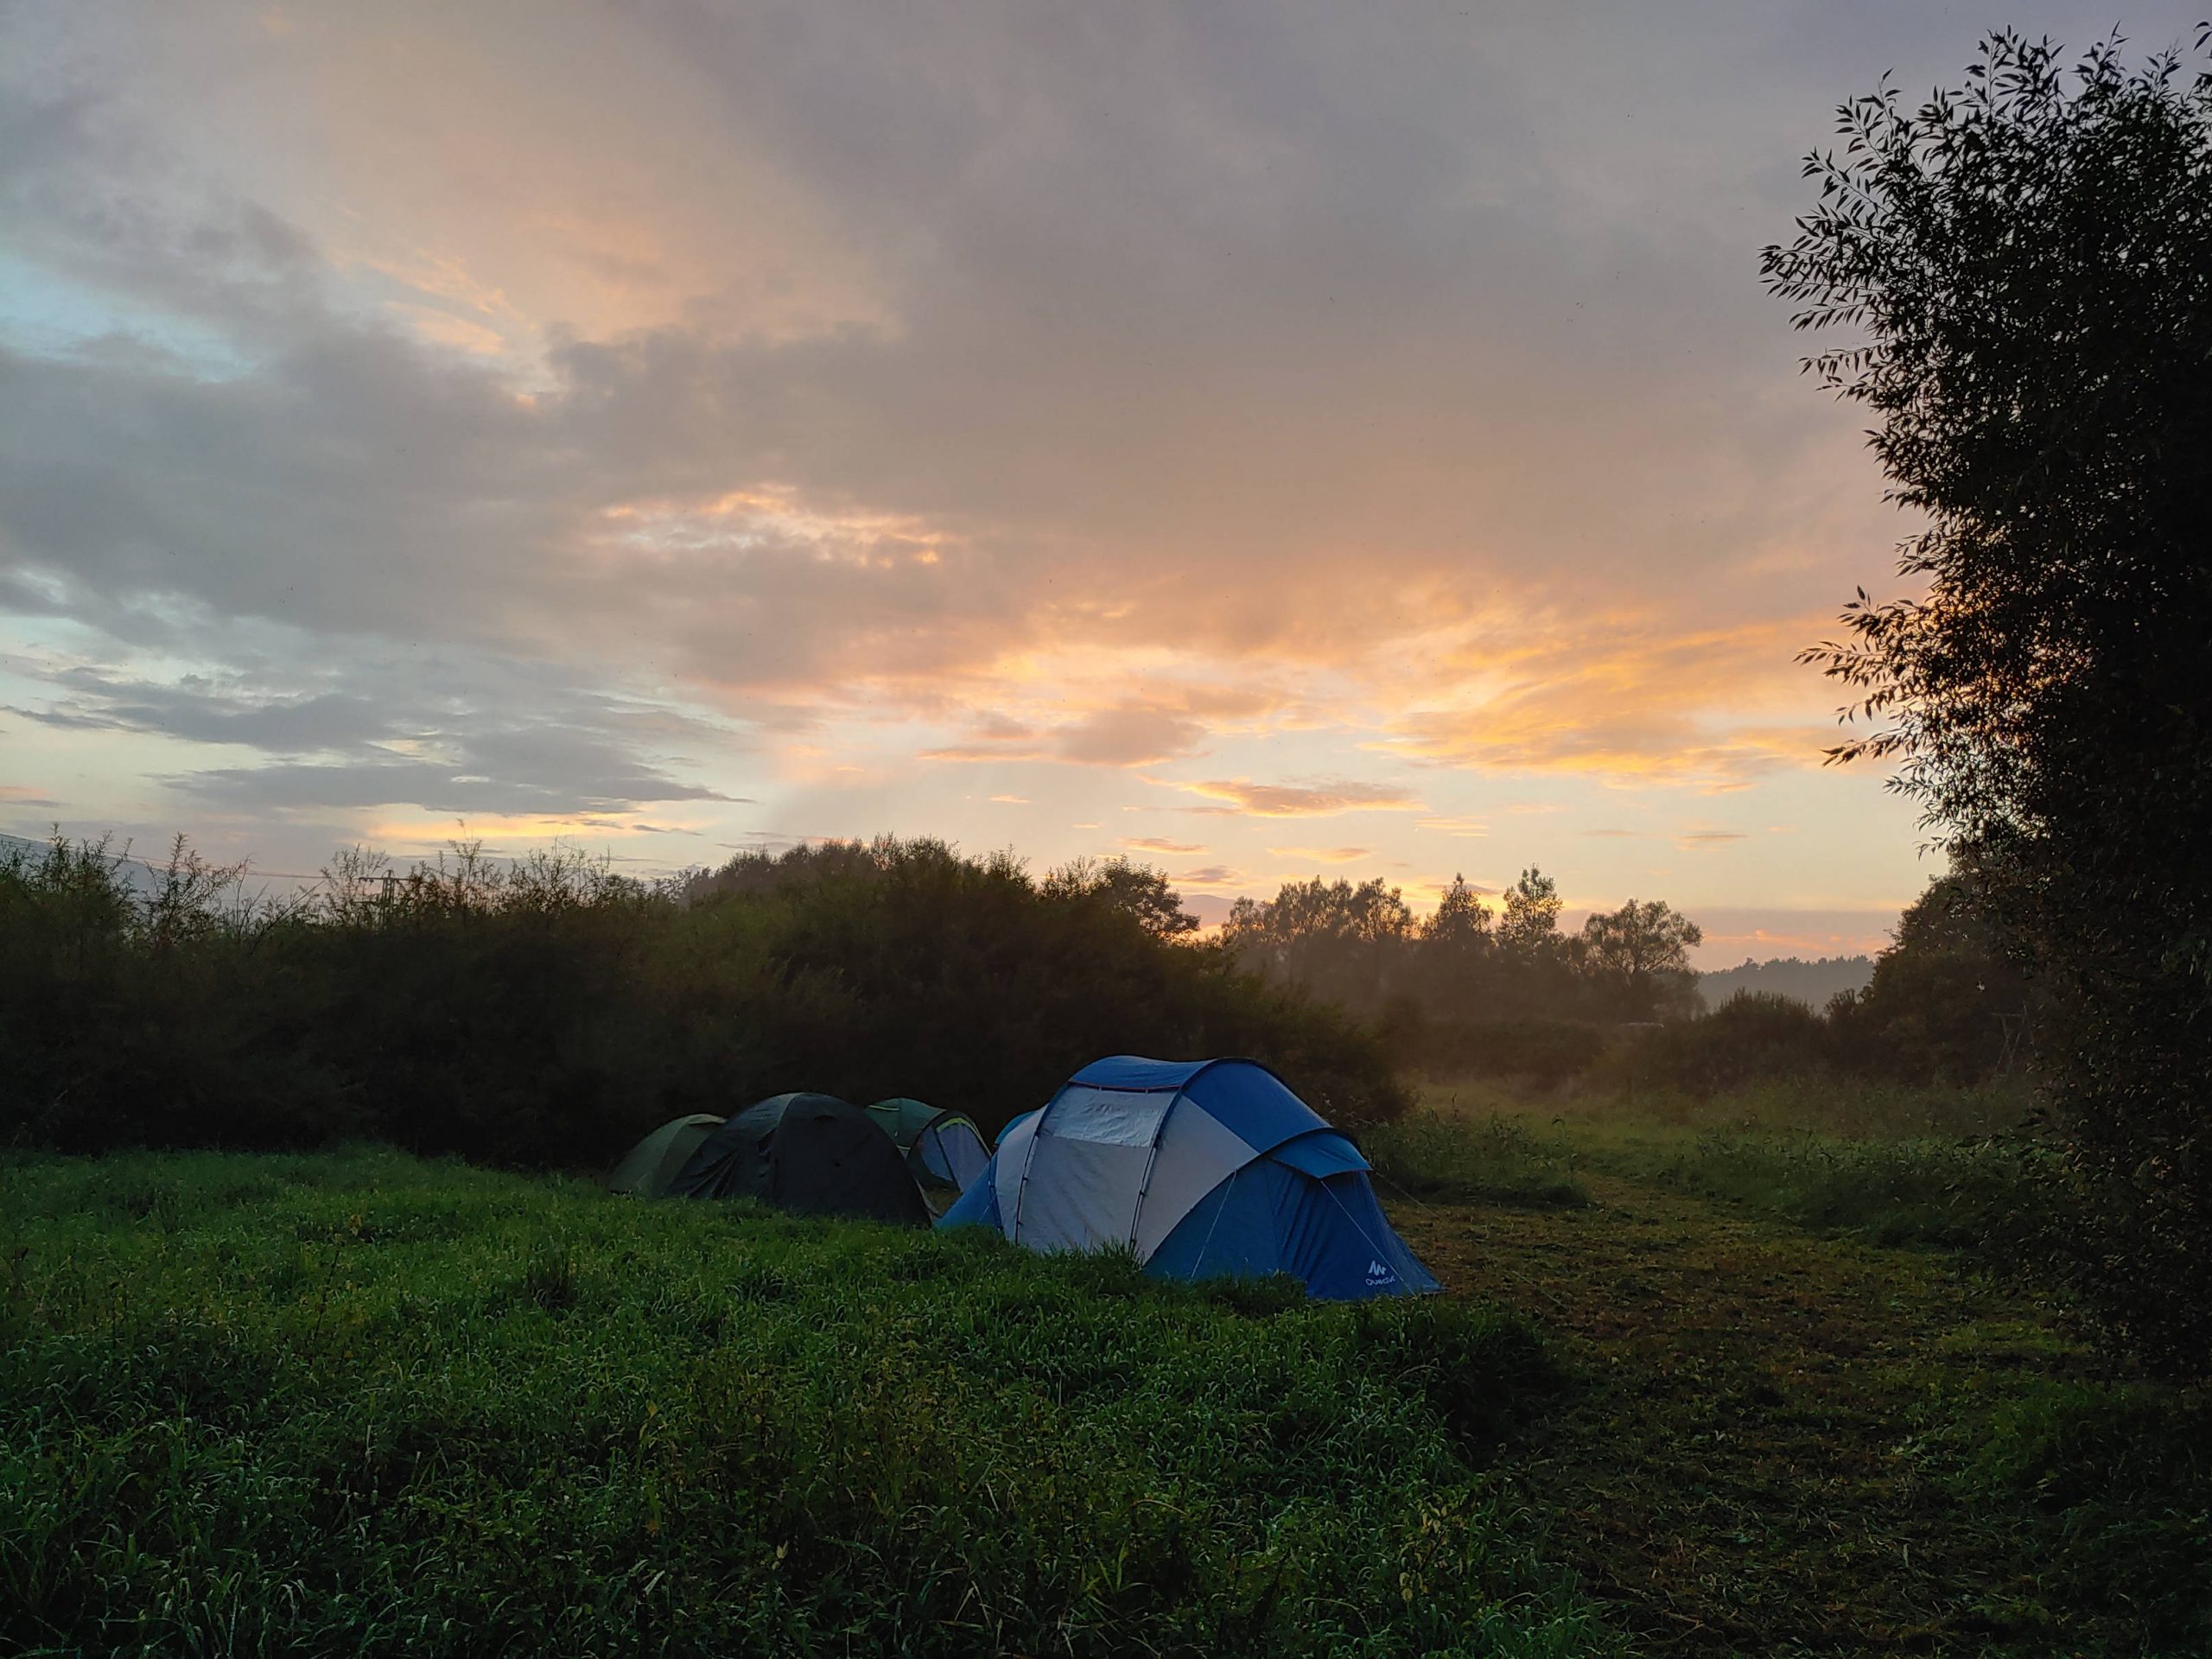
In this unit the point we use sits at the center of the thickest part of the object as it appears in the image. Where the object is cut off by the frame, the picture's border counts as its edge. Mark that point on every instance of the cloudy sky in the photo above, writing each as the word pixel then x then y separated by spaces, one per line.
pixel 1262 438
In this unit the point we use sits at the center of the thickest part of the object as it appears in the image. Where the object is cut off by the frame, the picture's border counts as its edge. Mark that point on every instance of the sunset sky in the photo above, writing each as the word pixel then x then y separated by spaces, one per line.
pixel 1263 440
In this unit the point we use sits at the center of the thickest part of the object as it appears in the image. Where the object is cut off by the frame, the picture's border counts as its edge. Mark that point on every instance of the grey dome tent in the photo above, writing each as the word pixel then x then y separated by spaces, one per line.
pixel 811 1155
pixel 944 1149
pixel 653 1162
pixel 1202 1168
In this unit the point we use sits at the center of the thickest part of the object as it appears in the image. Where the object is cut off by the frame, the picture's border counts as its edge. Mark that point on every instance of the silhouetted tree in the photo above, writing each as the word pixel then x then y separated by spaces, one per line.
pixel 2028 264
pixel 1639 956
pixel 1457 953
pixel 1529 926
pixel 1136 890
pixel 1945 1001
pixel 1343 942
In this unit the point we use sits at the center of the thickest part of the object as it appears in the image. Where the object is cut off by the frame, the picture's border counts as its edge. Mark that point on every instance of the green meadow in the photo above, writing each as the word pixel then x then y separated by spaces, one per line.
pixel 1717 1378
pixel 358 1403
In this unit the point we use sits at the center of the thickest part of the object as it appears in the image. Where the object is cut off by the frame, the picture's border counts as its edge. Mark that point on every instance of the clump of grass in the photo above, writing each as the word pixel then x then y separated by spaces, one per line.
pixel 1492 1160
pixel 385 1407
pixel 550 1278
pixel 2125 1469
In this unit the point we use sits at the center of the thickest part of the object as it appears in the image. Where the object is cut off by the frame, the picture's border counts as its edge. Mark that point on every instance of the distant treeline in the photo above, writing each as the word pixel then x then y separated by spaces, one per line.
pixel 1506 992
pixel 1360 946
pixel 1812 982
pixel 547 1013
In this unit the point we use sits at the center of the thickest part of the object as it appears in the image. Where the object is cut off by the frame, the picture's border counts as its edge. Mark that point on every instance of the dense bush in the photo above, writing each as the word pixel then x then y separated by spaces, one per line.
pixel 1943 1007
pixel 364 1405
pixel 547 1013
pixel 1753 1035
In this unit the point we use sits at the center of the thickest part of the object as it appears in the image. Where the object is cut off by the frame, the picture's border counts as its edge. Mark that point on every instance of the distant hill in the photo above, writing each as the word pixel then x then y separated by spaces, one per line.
pixel 1810 982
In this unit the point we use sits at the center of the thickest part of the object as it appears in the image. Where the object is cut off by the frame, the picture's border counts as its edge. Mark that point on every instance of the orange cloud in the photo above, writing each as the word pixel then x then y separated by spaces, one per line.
pixel 1624 696
pixel 1322 854
pixel 1318 800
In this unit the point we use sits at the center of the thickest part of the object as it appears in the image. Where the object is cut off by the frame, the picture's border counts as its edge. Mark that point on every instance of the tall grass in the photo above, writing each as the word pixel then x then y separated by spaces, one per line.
pixel 1492 1160
pixel 364 1404
pixel 2125 1469
pixel 1896 1163
pixel 1819 1104
pixel 1976 1195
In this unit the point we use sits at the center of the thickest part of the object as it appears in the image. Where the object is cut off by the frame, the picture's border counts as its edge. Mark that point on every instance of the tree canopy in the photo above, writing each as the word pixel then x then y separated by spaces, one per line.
pixel 2023 269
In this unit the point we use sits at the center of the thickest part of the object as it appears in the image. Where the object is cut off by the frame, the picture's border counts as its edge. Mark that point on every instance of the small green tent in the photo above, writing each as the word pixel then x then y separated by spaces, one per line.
pixel 944 1150
pixel 653 1163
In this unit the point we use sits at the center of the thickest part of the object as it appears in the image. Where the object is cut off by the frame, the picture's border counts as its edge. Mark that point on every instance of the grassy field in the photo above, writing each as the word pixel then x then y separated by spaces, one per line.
pixel 1728 1380
pixel 364 1404
pixel 1807 1419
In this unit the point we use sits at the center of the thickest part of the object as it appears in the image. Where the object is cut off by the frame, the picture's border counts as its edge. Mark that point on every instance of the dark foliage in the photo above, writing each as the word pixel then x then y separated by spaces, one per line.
pixel 2028 263
pixel 1946 1003
pixel 1754 1034
pixel 549 1013
pixel 1468 965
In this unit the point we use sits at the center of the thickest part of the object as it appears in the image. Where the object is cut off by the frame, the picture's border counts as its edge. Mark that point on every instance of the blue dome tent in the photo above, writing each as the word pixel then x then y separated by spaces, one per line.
pixel 1205 1168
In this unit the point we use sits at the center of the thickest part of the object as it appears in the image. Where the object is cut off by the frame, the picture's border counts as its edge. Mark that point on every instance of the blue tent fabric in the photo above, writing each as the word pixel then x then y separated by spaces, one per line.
pixel 1203 1168
pixel 978 1203
pixel 1268 1217
pixel 1131 1071
pixel 1249 1099
pixel 1321 1153
pixel 1253 1103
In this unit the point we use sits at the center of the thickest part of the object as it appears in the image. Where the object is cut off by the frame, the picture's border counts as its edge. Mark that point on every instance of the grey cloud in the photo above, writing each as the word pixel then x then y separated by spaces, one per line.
pixel 1212 875
pixel 1213 297
pixel 507 737
pixel 282 726
pixel 1233 329
pixel 584 787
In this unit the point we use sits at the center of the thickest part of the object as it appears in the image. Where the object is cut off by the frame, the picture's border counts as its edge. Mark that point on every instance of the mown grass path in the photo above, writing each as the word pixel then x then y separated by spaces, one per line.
pixel 1753 1463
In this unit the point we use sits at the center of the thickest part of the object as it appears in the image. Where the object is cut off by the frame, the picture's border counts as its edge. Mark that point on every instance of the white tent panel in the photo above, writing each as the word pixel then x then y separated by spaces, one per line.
pixel 1014 1146
pixel 1119 1118
pixel 1197 1153
pixel 1080 1195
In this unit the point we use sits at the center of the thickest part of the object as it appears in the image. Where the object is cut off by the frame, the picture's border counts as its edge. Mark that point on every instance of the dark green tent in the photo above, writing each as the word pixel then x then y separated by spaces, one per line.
pixel 655 1160
pixel 944 1150
pixel 811 1155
